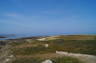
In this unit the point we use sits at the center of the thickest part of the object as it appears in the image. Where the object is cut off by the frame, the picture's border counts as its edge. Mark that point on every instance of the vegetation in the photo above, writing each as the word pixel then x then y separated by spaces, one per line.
pixel 54 60
pixel 32 51
pixel 76 46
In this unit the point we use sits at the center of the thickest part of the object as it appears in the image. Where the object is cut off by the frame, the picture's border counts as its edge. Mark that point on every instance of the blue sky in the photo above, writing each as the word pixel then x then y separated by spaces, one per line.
pixel 48 17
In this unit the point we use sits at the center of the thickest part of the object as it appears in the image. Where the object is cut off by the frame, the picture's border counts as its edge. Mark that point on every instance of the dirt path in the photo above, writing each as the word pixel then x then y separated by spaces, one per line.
pixel 83 57
pixel 46 55
pixel 5 54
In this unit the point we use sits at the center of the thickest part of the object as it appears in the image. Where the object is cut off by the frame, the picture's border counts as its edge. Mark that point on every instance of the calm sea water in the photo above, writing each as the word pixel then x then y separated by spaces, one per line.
pixel 32 35
pixel 19 36
pixel 13 37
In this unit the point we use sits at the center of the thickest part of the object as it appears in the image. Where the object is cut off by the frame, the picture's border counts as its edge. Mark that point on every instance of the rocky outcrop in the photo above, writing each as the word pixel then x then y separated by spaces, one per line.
pixel 47 61
pixel 6 54
pixel 83 57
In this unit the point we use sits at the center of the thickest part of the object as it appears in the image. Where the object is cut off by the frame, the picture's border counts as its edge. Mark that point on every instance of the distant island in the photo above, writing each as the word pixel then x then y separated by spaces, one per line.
pixel 3 37
pixel 6 35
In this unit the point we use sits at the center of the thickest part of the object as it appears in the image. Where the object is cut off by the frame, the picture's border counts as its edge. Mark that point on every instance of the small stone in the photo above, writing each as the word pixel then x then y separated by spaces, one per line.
pixel 11 56
pixel 7 60
pixel 47 61
pixel 46 45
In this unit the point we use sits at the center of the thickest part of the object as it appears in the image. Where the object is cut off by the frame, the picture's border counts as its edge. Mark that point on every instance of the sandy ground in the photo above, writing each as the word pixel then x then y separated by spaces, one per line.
pixel 83 57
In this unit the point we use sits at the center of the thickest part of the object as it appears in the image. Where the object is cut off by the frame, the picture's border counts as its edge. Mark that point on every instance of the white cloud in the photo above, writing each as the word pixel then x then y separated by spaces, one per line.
pixel 11 14
pixel 15 15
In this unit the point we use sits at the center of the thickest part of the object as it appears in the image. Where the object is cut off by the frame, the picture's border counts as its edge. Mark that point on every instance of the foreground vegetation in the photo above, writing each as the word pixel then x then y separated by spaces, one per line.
pixel 75 46
pixel 35 51
pixel 54 60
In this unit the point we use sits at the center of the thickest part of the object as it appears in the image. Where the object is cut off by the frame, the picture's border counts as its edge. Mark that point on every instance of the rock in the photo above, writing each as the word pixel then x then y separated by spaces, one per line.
pixel 7 60
pixel 46 45
pixel 47 61
pixel 42 39
pixel 11 56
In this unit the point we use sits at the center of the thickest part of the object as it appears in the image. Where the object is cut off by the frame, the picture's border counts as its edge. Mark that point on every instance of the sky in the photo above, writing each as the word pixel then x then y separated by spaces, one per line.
pixel 47 17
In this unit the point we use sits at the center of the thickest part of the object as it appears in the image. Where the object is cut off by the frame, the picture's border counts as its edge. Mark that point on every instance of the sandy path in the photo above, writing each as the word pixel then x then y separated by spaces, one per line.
pixel 83 57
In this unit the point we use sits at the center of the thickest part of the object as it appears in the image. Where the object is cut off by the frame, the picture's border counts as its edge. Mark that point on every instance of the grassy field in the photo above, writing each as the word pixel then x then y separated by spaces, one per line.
pixel 34 51
pixel 72 37
pixel 54 60
pixel 76 46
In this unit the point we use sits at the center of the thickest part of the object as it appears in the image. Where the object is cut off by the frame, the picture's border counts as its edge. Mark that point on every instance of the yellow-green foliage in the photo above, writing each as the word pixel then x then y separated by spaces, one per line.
pixel 36 47
pixel 73 37
pixel 76 46
pixel 54 60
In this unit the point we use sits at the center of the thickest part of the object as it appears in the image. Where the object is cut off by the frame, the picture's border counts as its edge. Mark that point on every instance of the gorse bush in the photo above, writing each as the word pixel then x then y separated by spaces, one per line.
pixel 75 46
pixel 54 60
pixel 38 48
pixel 32 50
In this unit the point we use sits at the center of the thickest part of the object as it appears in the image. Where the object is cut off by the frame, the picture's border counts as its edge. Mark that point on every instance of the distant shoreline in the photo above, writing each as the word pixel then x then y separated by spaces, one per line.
pixel 36 37
pixel 3 37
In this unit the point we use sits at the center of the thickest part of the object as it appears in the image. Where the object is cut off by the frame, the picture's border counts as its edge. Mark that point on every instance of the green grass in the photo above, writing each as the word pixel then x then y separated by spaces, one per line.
pixel 38 48
pixel 32 50
pixel 75 46
pixel 65 60
pixel 54 60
